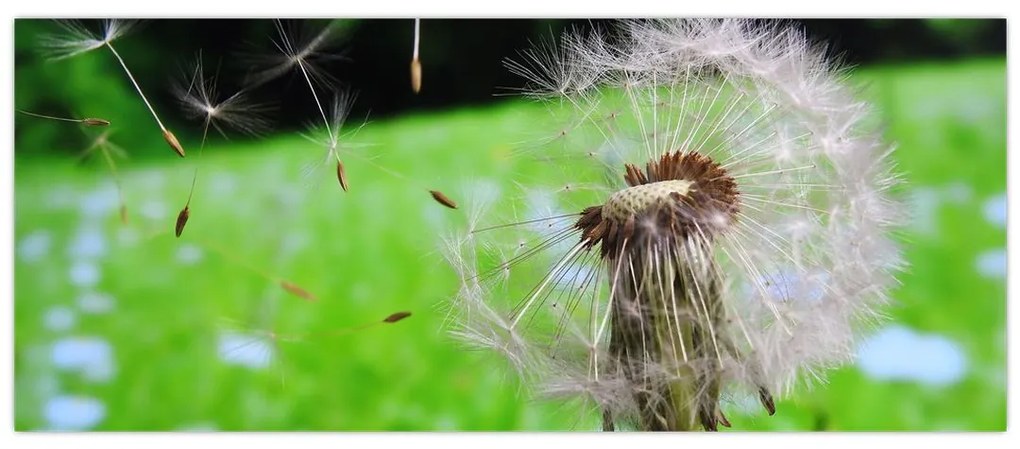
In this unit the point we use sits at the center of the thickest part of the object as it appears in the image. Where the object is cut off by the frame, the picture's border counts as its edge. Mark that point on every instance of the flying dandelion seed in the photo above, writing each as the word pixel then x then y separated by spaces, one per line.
pixel 304 52
pixel 199 98
pixel 77 39
pixel 299 48
pixel 101 144
pixel 338 145
pixel 262 347
pixel 108 150
pixel 88 121
pixel 744 240
pixel 304 55
pixel 288 286
pixel 329 138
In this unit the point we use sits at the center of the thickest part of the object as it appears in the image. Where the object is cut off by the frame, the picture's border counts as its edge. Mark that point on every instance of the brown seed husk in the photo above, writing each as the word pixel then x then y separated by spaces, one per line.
pixel 341 175
pixel 443 199
pixel 297 291
pixel 171 139
pixel 722 419
pixel 95 122
pixel 182 219
pixel 766 400
pixel 123 214
pixel 416 75
pixel 396 317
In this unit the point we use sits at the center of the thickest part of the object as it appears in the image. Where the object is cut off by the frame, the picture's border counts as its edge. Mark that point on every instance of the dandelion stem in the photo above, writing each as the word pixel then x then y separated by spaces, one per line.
pixel 50 117
pixel 194 177
pixel 417 37
pixel 137 87
pixel 322 111
pixel 237 260
pixel 116 180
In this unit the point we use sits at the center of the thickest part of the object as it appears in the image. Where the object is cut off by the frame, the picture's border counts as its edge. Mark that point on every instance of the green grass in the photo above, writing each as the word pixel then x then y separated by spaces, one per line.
pixel 374 251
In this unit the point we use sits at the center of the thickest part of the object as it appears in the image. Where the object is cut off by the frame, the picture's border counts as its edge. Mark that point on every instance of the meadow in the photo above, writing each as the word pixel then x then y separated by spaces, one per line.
pixel 125 327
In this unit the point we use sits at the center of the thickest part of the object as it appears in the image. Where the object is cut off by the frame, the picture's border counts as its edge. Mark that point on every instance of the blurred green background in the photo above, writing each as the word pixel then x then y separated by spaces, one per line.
pixel 124 327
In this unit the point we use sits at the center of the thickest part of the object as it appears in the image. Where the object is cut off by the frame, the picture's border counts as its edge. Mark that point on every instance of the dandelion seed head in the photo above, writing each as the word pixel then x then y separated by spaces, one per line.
pixel 331 137
pixel 740 221
pixel 298 48
pixel 198 96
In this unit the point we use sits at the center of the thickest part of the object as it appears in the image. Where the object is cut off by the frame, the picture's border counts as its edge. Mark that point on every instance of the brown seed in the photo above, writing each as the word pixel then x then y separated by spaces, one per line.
pixel 172 140
pixel 341 175
pixel 95 122
pixel 297 291
pixel 722 419
pixel 396 317
pixel 123 214
pixel 416 75
pixel 443 199
pixel 182 219
pixel 766 400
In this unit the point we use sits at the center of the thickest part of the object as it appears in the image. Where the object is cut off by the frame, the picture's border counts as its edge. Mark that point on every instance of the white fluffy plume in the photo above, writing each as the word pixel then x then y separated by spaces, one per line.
pixel 655 299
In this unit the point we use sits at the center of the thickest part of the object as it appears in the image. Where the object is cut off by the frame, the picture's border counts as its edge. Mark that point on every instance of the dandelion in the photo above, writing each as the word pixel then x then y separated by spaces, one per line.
pixel 735 241
pixel 199 98
pixel 77 39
